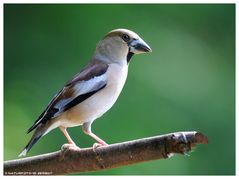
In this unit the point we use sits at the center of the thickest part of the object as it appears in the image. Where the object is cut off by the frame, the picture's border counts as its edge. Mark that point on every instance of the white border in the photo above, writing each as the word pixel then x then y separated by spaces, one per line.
pixel 1 82
pixel 116 1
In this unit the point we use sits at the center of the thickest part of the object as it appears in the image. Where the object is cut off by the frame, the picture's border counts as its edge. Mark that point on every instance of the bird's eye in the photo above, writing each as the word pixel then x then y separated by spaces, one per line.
pixel 125 37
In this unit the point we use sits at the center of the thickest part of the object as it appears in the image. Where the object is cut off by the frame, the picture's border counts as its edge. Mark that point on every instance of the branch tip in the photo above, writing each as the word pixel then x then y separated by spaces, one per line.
pixel 201 138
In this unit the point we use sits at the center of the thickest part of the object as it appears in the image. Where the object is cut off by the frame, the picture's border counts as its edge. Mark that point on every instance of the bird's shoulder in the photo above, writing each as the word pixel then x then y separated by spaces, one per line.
pixel 68 92
pixel 93 69
pixel 79 88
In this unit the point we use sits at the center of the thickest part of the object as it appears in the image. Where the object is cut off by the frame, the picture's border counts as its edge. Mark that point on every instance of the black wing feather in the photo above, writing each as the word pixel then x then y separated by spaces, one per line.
pixel 94 69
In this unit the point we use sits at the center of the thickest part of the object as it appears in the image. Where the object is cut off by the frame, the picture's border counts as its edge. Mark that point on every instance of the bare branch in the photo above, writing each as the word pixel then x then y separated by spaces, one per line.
pixel 74 160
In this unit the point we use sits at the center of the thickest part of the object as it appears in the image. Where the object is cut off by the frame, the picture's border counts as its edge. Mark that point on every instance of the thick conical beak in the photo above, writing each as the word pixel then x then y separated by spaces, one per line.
pixel 139 46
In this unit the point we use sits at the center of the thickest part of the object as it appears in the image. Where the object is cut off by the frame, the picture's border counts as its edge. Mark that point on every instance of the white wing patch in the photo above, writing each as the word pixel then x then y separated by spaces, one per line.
pixel 93 84
pixel 80 88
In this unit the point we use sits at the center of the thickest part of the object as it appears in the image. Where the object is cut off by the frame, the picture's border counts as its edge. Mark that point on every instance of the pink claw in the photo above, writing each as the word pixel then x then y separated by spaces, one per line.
pixel 97 145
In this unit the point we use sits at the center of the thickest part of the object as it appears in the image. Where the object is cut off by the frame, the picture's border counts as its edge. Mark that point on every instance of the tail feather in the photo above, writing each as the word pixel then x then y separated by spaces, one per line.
pixel 23 153
pixel 33 127
pixel 33 140
pixel 40 131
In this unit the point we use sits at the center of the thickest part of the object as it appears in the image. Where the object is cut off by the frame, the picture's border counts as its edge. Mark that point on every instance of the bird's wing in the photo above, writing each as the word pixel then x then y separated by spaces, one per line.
pixel 86 83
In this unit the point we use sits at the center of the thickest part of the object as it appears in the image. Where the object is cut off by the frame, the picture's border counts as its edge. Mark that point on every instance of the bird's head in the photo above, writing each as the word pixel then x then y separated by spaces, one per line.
pixel 120 45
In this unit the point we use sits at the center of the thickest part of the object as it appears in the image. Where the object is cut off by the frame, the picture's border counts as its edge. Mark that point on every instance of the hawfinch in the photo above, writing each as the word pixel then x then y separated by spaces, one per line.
pixel 93 91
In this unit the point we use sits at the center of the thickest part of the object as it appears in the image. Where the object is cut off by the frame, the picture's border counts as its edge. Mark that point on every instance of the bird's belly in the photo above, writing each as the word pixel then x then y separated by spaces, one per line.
pixel 96 105
pixel 92 108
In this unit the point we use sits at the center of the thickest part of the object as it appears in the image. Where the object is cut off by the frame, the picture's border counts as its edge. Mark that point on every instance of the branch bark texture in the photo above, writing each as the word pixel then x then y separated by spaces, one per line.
pixel 74 160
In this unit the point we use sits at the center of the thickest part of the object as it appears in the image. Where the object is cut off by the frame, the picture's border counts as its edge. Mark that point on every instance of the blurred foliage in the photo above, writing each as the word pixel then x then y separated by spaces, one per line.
pixel 187 83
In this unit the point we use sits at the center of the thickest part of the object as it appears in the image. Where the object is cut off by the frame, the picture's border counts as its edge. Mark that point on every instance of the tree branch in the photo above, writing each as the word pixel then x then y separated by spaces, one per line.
pixel 75 160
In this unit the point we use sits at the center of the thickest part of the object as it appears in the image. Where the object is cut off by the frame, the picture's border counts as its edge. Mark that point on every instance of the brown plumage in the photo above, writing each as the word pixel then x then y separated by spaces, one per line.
pixel 93 91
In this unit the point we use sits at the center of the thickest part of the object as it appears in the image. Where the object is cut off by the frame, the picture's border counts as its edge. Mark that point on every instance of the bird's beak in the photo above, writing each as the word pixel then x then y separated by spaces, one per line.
pixel 138 46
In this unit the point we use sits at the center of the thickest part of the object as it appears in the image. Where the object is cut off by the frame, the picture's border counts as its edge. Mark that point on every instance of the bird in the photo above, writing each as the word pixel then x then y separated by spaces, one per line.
pixel 91 92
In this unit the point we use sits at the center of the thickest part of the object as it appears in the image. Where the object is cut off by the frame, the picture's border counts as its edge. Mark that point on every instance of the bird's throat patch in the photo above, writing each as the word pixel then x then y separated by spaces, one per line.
pixel 129 56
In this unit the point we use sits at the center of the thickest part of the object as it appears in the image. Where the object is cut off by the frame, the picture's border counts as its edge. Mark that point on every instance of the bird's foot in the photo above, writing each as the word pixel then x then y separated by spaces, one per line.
pixel 72 146
pixel 97 145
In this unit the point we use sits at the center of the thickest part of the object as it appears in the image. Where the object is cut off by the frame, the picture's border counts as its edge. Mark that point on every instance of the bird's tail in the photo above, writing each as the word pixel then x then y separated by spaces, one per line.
pixel 40 131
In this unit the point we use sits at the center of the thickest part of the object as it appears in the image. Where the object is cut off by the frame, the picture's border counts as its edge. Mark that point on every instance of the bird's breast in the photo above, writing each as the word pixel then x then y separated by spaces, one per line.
pixel 96 105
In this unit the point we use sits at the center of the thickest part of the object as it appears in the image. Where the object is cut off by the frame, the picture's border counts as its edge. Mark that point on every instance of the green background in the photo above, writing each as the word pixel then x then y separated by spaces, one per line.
pixel 186 83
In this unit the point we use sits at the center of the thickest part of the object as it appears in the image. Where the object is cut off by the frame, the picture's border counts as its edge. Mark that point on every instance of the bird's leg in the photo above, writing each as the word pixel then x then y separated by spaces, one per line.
pixel 87 129
pixel 70 141
pixel 64 131
pixel 101 142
